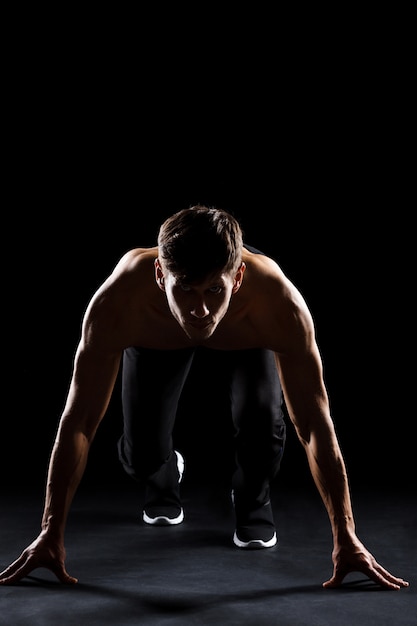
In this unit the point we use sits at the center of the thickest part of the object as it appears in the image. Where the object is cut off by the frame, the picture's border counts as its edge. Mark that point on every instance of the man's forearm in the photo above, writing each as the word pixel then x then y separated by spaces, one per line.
pixel 66 468
pixel 329 474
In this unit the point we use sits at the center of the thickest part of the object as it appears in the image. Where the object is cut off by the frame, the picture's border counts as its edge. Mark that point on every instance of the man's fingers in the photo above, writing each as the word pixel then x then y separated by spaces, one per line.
pixel 334 581
pixel 63 576
pixel 9 577
pixel 381 576
pixel 377 574
pixel 14 572
pixel 23 567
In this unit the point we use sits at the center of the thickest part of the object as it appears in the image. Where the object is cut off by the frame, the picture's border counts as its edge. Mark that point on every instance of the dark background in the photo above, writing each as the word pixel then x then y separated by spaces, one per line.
pixel 308 148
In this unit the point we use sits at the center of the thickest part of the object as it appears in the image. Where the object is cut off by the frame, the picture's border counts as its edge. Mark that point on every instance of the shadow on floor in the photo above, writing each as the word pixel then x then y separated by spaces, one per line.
pixel 131 574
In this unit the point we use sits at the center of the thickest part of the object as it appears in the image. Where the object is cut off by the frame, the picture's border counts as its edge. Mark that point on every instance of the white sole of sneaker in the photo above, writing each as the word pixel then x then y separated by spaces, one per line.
pixel 162 520
pixel 255 544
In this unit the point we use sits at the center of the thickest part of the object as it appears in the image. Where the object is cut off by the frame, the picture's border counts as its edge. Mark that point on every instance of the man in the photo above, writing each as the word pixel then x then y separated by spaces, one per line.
pixel 200 291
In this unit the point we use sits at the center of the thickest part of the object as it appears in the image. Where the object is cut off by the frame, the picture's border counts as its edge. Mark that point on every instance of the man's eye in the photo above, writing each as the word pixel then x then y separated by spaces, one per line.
pixel 185 287
pixel 216 289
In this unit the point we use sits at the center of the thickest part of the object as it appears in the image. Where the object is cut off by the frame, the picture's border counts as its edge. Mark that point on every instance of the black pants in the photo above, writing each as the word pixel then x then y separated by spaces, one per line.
pixel 152 384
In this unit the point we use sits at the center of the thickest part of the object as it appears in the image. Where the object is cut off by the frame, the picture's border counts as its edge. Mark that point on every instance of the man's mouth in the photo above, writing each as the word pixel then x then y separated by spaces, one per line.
pixel 200 324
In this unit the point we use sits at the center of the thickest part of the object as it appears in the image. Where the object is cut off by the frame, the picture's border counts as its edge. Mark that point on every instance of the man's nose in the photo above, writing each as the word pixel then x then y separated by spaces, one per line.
pixel 199 309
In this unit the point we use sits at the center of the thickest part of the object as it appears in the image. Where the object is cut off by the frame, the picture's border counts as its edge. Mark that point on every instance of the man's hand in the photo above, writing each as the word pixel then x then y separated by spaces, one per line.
pixel 43 552
pixel 356 558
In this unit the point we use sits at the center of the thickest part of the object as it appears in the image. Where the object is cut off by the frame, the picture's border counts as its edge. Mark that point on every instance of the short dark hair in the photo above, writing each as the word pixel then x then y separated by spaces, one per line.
pixel 199 241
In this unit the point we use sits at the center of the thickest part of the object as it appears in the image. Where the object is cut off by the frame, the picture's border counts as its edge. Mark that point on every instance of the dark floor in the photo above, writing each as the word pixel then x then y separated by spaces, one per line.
pixel 130 573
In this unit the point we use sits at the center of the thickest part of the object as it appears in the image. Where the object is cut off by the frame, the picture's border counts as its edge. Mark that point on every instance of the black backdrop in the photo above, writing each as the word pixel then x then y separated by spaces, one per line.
pixel 313 163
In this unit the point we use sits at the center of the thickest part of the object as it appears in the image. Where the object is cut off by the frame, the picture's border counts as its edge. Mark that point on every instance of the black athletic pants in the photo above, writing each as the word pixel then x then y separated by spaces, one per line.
pixel 152 383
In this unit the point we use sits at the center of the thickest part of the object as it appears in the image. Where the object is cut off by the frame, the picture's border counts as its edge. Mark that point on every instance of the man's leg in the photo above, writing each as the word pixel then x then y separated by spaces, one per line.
pixel 152 382
pixel 258 418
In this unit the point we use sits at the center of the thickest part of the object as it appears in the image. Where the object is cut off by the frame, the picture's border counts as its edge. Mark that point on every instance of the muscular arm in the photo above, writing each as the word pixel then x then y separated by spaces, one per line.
pixel 94 374
pixel 288 329
pixel 308 407
pixel 90 391
pixel 301 373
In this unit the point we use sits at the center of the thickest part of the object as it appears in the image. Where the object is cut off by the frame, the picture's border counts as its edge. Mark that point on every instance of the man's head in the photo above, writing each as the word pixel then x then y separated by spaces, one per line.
pixel 199 267
pixel 200 241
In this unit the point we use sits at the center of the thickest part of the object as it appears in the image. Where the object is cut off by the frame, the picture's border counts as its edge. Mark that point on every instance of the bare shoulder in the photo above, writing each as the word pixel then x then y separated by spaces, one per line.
pixel 135 267
pixel 120 302
pixel 264 273
pixel 135 260
pixel 278 306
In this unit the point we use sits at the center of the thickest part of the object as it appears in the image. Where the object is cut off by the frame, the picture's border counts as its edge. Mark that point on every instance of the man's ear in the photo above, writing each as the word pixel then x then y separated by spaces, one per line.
pixel 239 277
pixel 159 275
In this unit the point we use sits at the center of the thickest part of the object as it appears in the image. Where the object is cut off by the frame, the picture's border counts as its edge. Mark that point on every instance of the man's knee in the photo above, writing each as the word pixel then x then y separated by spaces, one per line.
pixel 140 463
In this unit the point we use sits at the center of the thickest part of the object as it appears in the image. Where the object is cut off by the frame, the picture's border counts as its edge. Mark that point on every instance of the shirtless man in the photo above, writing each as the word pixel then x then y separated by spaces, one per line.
pixel 199 289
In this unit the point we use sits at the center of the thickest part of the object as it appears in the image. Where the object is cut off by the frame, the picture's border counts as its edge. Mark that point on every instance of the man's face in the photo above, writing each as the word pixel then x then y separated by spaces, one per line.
pixel 199 308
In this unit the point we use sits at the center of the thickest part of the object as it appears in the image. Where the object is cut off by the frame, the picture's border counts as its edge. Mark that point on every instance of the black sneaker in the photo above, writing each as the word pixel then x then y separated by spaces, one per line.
pixel 255 528
pixel 163 505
